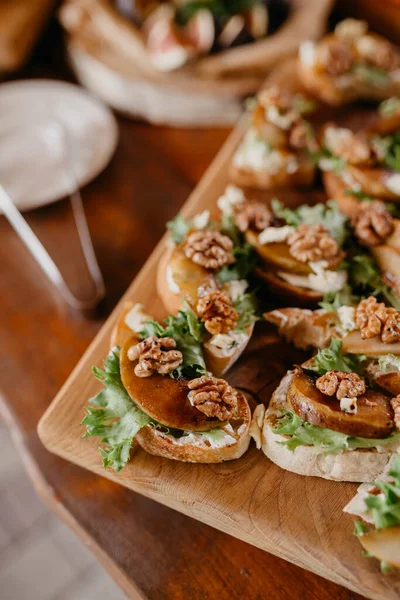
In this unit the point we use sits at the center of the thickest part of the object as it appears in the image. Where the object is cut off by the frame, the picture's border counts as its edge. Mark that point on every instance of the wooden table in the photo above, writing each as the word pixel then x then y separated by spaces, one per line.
pixel 150 550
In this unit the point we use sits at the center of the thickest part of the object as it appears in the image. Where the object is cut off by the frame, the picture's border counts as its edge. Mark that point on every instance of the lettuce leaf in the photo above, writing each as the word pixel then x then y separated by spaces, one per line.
pixel 385 507
pixel 113 417
pixel 334 300
pixel 371 74
pixel 332 359
pixel 178 228
pixel 365 277
pixel 246 259
pixel 327 215
pixel 325 441
pixel 246 306
pixel 187 330
pixel 389 107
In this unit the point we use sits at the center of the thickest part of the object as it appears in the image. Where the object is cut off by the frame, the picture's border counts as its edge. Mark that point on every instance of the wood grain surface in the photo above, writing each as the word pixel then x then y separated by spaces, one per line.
pixel 296 518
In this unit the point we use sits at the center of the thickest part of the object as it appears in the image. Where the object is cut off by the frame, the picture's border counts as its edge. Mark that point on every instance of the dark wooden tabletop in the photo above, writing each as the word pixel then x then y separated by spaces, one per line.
pixel 150 550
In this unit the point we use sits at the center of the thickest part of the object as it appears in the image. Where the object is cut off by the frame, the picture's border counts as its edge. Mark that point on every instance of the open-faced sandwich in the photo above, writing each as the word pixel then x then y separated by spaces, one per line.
pixel 349 64
pixel 366 162
pixel 326 420
pixel 206 268
pixel 159 393
pixel 300 250
pixel 368 331
pixel 378 505
pixel 274 152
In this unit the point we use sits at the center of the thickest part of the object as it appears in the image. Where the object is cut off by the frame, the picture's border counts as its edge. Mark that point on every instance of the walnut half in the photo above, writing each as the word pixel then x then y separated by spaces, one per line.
pixel 213 397
pixel 155 355
pixel 373 318
pixel 252 215
pixel 312 243
pixel 217 313
pixel 210 249
pixel 372 224
pixel 344 385
pixel 395 403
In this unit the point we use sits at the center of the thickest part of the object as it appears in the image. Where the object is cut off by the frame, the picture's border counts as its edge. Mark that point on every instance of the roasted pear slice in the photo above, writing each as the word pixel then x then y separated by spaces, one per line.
pixel 179 278
pixel 291 293
pixel 163 399
pixel 383 544
pixel 388 259
pixel 373 181
pixel 374 417
pixel 278 255
pixel 335 187
pixel 389 382
pixel 354 344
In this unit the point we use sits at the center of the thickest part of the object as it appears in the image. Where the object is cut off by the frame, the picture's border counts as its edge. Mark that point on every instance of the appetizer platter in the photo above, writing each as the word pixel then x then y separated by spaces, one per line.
pixel 255 359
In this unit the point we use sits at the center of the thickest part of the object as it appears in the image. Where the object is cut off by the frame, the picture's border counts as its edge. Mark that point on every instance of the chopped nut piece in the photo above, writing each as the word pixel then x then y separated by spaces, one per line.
pixel 373 224
pixel 370 317
pixel 354 148
pixel 253 215
pixel 335 56
pixel 395 403
pixel 391 329
pixel 216 311
pixel 274 96
pixel 313 243
pixel 374 318
pixel 209 249
pixel 213 397
pixel 344 385
pixel 155 355
pixel 300 136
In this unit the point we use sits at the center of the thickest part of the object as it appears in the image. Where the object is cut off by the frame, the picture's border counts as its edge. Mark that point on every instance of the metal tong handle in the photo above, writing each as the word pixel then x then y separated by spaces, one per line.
pixel 44 259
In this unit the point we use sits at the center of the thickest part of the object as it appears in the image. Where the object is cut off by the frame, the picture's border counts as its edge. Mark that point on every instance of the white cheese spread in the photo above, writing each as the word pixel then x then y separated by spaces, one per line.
pixel 230 198
pixel 225 344
pixel 172 285
pixel 201 220
pixel 321 280
pixel 393 183
pixel 308 53
pixel 136 318
pixel 347 316
pixel 237 288
pixel 348 405
pixel 275 234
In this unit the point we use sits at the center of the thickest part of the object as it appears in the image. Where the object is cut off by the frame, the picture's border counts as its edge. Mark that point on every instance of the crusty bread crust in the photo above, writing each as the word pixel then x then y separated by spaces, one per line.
pixel 355 465
pixel 297 295
pixel 303 177
pixel 160 444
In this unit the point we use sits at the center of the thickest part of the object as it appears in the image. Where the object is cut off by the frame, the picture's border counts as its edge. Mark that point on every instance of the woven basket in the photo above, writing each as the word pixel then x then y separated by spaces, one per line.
pixel 110 58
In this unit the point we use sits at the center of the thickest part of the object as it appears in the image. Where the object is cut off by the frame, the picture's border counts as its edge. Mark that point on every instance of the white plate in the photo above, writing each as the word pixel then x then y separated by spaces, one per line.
pixel 53 136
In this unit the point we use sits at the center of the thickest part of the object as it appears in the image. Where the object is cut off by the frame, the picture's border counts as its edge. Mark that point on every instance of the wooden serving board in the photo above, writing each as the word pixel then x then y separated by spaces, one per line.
pixel 297 518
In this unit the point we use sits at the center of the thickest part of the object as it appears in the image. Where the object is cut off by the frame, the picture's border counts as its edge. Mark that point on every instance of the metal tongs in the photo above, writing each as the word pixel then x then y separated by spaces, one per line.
pixel 36 247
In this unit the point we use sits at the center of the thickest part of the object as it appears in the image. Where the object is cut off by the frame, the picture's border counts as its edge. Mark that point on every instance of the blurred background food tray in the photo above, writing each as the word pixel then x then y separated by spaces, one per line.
pixel 110 59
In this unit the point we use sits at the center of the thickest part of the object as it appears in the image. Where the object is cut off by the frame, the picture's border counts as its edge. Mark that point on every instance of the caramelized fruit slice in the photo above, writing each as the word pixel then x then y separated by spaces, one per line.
pixel 354 344
pixel 187 275
pixel 374 417
pixel 383 544
pixel 162 398
pixel 373 182
pixel 278 255
pixel 389 382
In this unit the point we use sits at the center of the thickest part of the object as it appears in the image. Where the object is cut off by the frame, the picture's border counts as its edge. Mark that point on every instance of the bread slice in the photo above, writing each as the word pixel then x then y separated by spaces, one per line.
pixel 356 465
pixel 302 177
pixel 196 448
pixel 304 328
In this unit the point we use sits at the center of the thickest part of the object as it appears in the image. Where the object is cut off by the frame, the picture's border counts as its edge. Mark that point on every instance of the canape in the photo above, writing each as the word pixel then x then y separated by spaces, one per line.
pixel 300 250
pixel 206 268
pixel 158 393
pixel 349 64
pixel 325 420
pixel 274 150
pixel 367 161
pixel 368 332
